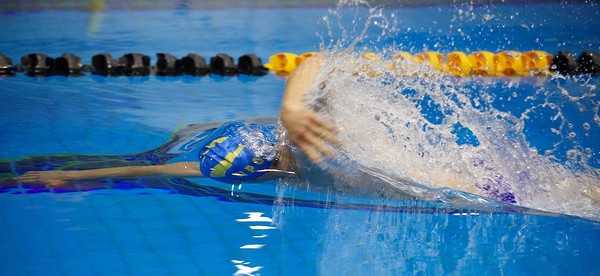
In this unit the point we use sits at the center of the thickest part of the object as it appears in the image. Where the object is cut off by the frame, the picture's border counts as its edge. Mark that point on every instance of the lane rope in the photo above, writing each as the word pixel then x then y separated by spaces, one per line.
pixel 533 63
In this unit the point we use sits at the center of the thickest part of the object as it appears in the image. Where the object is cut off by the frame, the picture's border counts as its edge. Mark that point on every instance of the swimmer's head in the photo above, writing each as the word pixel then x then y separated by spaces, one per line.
pixel 242 153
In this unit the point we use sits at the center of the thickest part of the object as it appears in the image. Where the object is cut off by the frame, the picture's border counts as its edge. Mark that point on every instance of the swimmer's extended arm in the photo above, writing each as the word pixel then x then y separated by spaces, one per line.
pixel 305 128
pixel 57 178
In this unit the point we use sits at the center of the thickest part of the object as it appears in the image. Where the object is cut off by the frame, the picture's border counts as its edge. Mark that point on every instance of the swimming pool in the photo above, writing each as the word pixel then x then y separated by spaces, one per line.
pixel 215 229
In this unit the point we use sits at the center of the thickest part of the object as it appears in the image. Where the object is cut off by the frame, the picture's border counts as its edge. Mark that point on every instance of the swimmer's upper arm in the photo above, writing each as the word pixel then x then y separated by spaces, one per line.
pixel 301 79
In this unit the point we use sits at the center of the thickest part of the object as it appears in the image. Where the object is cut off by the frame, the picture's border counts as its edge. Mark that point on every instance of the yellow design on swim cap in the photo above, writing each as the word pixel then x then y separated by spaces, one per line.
pixel 220 169
pixel 258 160
pixel 213 143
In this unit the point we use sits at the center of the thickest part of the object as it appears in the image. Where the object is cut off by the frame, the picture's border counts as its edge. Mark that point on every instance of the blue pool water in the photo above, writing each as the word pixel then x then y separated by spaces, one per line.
pixel 203 227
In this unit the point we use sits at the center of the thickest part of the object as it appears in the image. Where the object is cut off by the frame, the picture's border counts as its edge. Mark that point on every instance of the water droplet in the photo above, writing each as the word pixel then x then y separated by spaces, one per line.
pixel 586 126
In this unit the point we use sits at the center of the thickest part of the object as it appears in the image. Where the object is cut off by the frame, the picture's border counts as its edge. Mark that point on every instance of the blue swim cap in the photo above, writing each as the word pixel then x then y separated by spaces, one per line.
pixel 241 152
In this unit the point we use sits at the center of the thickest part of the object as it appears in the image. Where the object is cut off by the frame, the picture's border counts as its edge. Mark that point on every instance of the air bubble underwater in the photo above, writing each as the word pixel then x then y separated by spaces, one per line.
pixel 439 131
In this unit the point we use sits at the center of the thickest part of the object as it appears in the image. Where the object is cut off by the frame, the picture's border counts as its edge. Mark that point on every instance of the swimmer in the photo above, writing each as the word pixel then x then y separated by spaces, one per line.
pixel 226 154
pixel 239 152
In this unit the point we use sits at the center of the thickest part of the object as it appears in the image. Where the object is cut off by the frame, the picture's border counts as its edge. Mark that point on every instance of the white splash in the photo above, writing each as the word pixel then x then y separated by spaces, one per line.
pixel 387 130
pixel 255 217
pixel 252 246
pixel 262 227
pixel 244 270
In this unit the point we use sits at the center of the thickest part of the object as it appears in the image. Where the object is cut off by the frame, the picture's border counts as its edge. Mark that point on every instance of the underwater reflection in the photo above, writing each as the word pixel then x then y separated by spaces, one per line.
pixel 399 243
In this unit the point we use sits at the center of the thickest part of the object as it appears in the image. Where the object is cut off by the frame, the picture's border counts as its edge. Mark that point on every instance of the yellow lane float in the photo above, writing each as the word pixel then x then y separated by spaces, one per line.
pixel 508 64
pixel 435 59
pixel 480 63
pixel 483 64
pixel 536 63
pixel 367 67
pixel 458 64
pixel 401 62
pixel 402 56
pixel 282 64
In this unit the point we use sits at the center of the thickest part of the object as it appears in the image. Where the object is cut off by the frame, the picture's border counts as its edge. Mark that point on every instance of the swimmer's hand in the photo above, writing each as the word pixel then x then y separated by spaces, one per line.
pixel 48 178
pixel 309 131
pixel 306 129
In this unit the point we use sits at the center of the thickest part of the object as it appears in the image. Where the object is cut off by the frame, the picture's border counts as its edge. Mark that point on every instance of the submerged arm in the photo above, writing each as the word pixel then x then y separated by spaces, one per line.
pixel 57 178
pixel 305 128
